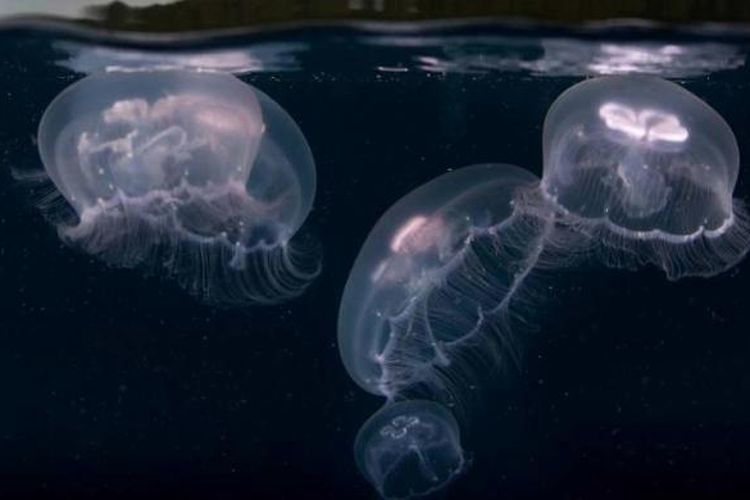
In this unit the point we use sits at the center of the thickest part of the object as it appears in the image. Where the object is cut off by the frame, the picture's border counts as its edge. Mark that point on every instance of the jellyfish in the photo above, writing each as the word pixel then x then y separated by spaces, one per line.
pixel 434 284
pixel 193 175
pixel 645 170
pixel 637 170
pixel 436 268
pixel 410 448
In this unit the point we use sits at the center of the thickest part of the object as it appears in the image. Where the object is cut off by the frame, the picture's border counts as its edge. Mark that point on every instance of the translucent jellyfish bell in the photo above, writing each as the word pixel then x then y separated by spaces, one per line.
pixel 647 170
pixel 409 448
pixel 432 273
pixel 195 174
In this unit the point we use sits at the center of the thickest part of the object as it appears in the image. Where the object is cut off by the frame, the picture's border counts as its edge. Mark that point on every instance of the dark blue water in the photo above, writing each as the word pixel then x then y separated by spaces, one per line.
pixel 117 385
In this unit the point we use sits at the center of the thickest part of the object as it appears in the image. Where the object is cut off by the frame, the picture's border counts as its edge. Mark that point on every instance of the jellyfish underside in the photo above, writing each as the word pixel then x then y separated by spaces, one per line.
pixel 195 175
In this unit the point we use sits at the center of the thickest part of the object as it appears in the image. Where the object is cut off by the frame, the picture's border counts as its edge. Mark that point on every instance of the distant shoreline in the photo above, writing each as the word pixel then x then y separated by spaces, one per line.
pixel 202 15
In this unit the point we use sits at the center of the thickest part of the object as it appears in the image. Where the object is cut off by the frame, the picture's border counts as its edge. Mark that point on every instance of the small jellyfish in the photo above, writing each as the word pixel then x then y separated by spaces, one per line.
pixel 410 448
pixel 195 175
pixel 646 171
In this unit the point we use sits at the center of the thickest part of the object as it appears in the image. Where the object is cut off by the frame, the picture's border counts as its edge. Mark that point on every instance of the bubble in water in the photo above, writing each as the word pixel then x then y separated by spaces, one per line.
pixel 409 448
pixel 196 175
pixel 646 170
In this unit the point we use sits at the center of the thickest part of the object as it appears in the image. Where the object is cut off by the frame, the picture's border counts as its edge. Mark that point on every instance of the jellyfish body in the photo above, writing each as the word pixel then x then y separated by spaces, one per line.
pixel 646 170
pixel 433 284
pixel 196 175
pixel 409 448
pixel 438 268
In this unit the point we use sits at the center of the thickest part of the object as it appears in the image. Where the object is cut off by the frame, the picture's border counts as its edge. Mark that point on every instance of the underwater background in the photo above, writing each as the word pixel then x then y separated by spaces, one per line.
pixel 117 385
